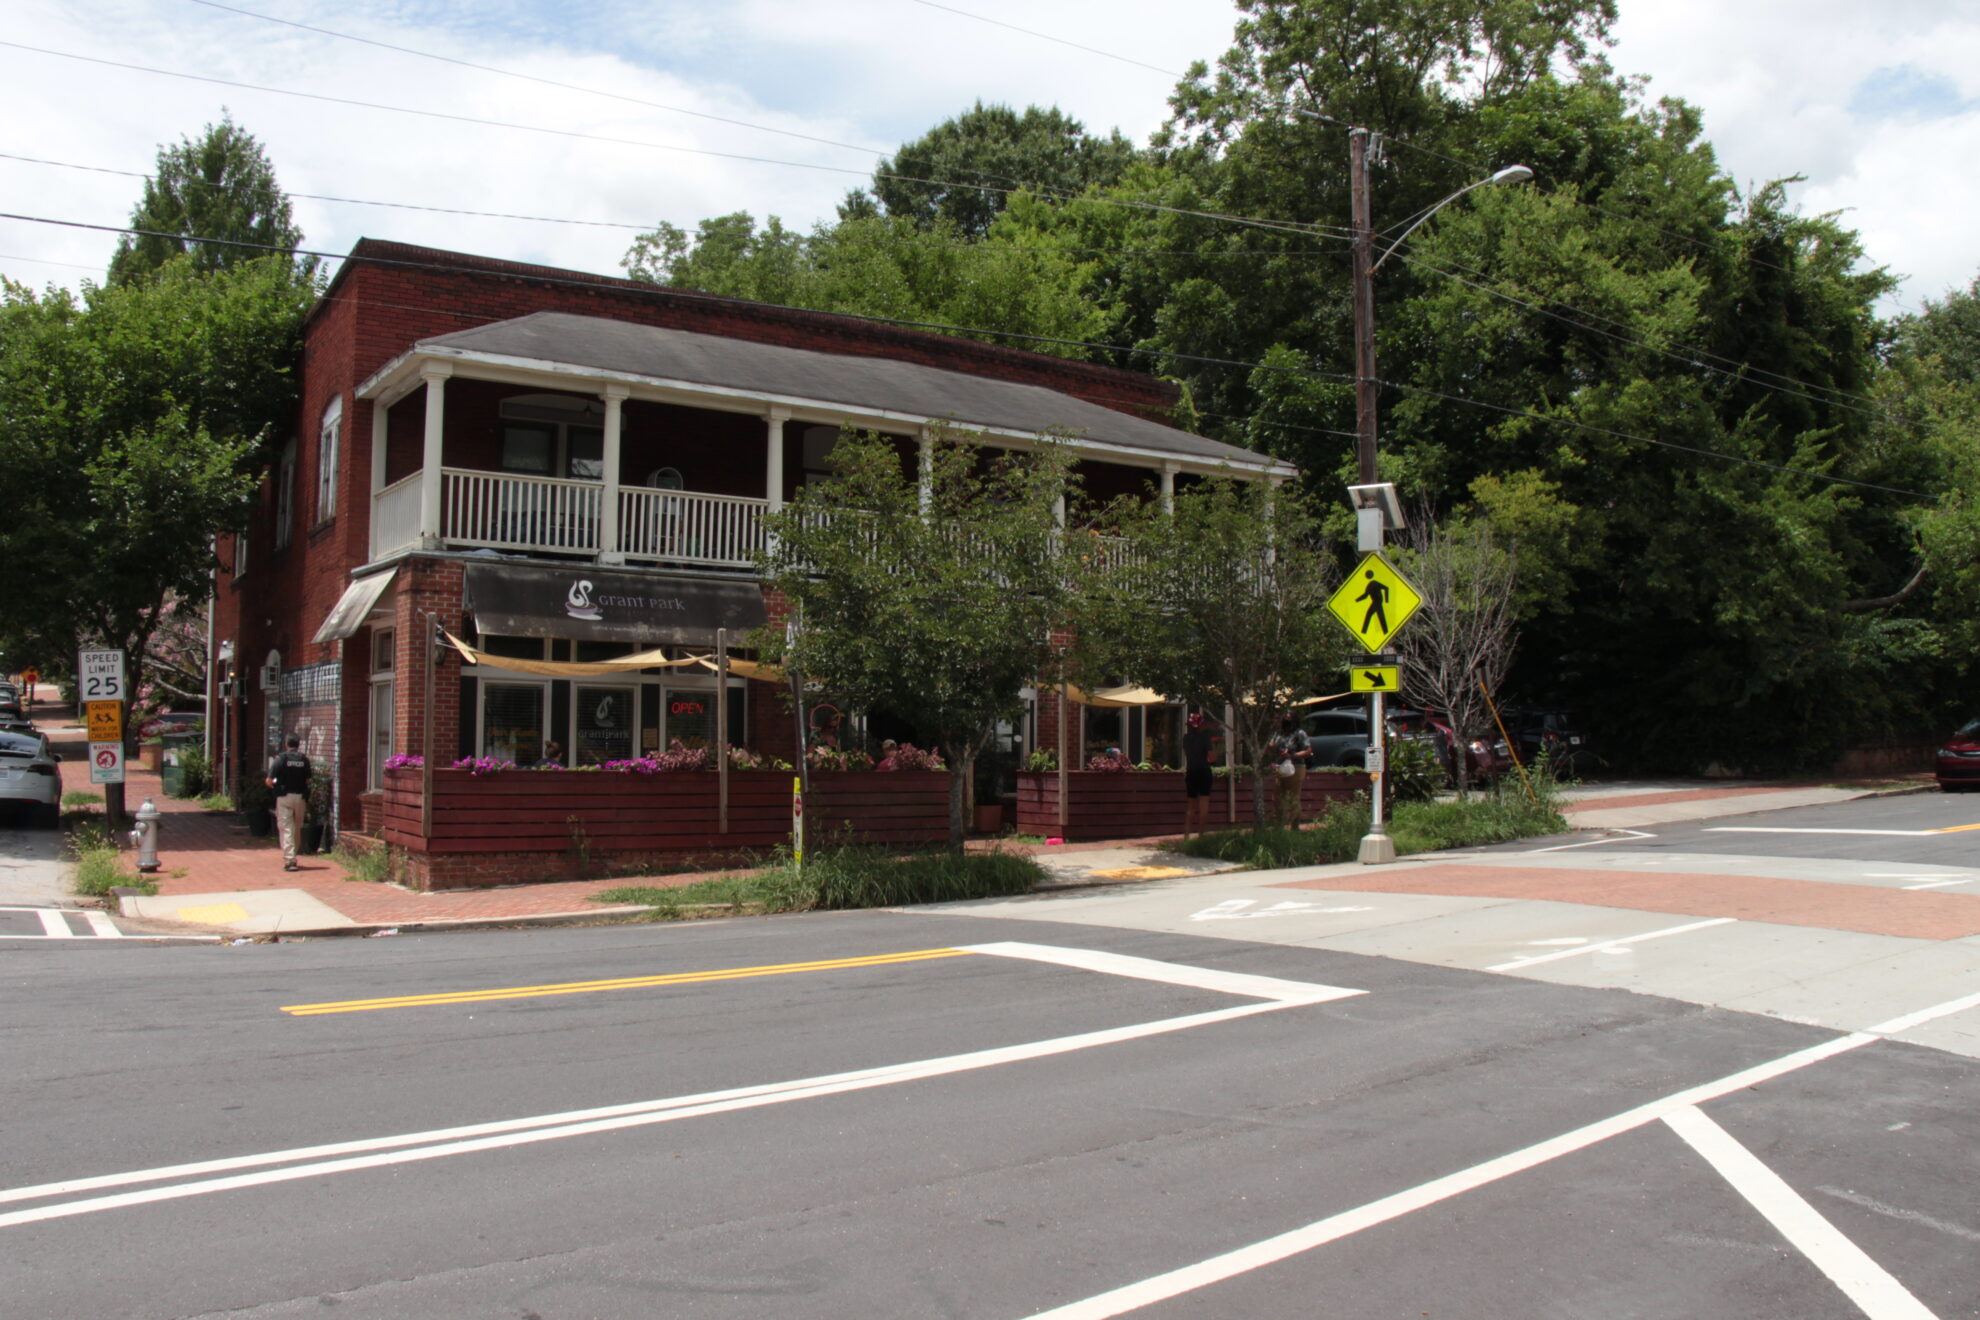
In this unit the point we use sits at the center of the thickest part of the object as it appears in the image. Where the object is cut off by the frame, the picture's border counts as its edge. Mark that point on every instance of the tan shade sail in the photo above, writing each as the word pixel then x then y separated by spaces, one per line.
pixel 1110 698
pixel 569 668
pixel 762 673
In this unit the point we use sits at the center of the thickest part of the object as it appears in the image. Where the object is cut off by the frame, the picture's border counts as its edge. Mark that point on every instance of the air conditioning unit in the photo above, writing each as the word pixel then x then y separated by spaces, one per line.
pixel 271 677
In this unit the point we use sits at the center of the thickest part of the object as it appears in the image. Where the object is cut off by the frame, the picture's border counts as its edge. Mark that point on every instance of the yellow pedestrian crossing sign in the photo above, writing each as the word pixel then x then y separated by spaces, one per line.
pixel 1374 602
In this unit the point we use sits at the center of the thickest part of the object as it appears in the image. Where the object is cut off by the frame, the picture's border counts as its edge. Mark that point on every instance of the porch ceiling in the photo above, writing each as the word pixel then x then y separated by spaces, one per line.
pixel 743 375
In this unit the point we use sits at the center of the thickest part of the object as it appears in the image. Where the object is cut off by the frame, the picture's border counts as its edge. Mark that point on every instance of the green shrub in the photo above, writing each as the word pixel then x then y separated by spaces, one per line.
pixel 98 866
pixel 216 802
pixel 195 772
pixel 1504 813
pixel 843 878
pixel 1414 774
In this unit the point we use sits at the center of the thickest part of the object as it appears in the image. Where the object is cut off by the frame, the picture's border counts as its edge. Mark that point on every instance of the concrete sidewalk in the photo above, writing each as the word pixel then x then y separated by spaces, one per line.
pixel 217 878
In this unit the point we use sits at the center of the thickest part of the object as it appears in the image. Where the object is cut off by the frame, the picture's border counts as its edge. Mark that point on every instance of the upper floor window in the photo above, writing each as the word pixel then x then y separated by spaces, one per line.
pixel 329 446
pixel 554 435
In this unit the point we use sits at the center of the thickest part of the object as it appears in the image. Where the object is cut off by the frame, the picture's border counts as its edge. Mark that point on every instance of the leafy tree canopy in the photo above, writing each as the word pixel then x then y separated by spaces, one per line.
pixel 961 172
pixel 931 594
pixel 218 186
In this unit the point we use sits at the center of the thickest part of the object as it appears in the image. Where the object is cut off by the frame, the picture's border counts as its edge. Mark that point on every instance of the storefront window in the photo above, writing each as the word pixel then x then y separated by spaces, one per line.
pixel 1162 737
pixel 603 730
pixel 690 717
pixel 1106 730
pixel 512 722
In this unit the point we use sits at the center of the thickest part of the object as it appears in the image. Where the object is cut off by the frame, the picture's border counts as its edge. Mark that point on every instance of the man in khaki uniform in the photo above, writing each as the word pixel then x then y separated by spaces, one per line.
pixel 288 775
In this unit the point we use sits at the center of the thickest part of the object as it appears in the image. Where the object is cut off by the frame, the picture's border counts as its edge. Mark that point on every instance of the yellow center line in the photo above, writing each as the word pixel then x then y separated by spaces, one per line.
pixel 617 983
pixel 1956 829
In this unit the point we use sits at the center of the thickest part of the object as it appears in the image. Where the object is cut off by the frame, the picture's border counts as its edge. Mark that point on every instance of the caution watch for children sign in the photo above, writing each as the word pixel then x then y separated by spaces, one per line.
pixel 1374 602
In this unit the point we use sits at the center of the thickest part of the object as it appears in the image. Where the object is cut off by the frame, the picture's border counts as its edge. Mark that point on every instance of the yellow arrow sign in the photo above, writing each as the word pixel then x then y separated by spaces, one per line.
pixel 1375 678
pixel 1374 602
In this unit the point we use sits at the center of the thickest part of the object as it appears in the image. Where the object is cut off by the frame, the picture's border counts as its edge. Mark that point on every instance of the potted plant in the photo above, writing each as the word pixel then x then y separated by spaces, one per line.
pixel 256 803
pixel 316 831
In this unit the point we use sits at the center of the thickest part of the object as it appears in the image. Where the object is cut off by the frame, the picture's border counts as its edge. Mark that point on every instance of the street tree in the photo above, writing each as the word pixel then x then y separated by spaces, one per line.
pixel 962 173
pixel 134 425
pixel 1459 644
pixel 1221 604
pixel 929 594
pixel 219 186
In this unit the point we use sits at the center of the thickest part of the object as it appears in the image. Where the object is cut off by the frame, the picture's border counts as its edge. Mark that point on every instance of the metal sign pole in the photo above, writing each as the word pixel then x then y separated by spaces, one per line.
pixel 722 730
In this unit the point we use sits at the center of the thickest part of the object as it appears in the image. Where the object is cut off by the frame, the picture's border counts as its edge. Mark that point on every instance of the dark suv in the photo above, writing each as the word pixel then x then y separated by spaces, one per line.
pixel 1559 734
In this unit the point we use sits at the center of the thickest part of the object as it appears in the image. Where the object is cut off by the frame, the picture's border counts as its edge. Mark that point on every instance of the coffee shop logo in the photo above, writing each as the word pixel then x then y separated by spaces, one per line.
pixel 577 601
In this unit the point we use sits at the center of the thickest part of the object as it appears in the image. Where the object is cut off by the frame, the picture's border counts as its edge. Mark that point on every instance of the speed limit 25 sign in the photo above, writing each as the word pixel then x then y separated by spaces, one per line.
pixel 100 674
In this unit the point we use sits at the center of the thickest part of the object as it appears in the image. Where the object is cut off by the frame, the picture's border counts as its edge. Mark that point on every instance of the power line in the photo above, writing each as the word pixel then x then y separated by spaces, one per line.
pixel 545 82
pixel 1042 36
pixel 627 286
pixel 623 224
pixel 1291 227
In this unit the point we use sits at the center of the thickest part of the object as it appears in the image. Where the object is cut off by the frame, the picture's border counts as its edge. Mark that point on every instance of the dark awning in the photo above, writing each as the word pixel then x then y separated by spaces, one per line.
pixel 599 605
pixel 354 607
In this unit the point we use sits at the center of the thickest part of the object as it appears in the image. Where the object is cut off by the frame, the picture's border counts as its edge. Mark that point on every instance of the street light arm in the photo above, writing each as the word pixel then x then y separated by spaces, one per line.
pixel 1510 174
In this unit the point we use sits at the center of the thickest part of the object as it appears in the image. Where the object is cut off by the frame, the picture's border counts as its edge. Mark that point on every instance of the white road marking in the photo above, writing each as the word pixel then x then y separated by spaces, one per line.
pixel 1848 1266
pixel 347 1156
pixel 53 926
pixel 1607 945
pixel 1938 884
pixel 1149 969
pixel 1272 1250
pixel 1783 829
pixel 1590 843
pixel 1234 909
pixel 100 923
pixel 1564 939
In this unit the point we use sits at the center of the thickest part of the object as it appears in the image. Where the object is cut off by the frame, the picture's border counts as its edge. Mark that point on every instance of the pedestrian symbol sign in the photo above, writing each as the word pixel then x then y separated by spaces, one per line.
pixel 1374 602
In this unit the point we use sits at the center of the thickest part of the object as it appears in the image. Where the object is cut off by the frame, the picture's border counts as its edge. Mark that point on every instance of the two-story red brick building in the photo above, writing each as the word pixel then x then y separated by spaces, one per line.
pixel 564 468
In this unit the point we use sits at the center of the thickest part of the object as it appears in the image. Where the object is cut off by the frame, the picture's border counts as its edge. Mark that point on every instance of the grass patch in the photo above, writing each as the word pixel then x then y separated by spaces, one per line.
pixel 369 865
pixel 1500 816
pixel 841 879
pixel 99 867
pixel 77 797
pixel 216 802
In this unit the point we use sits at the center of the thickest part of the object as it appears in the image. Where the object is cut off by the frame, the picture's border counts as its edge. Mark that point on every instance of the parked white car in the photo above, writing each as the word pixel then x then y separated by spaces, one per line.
pixel 30 779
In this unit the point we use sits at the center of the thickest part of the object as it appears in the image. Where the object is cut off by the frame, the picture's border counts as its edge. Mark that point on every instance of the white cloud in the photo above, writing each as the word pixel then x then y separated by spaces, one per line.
pixel 1782 87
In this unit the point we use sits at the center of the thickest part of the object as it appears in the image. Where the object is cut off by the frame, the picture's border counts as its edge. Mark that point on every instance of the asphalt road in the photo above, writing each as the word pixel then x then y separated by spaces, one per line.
pixel 1110 1103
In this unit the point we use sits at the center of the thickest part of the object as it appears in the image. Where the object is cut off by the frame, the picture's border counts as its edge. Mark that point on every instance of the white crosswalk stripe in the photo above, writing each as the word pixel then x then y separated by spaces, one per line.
pixel 47 923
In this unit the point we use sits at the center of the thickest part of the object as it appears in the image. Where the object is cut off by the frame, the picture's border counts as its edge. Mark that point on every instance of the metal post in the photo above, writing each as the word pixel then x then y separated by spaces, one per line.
pixel 722 730
pixel 426 733
pixel 1376 846
pixel 1364 306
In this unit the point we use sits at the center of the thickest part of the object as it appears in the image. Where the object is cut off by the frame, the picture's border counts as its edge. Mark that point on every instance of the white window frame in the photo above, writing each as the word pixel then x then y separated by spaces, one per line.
pixel 328 454
pixel 385 639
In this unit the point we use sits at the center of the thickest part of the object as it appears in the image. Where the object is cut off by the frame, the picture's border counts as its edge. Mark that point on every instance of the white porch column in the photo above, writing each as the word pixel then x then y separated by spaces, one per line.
pixel 381 439
pixel 1169 489
pixel 609 550
pixel 435 378
pixel 924 472
pixel 773 456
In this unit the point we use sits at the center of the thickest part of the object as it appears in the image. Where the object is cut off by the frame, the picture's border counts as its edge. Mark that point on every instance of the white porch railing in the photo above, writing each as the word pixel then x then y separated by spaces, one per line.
pixel 684 525
pixel 501 511
pixel 395 516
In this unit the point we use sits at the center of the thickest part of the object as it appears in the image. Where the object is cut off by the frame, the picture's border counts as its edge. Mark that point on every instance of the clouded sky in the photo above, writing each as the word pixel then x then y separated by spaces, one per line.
pixel 1878 105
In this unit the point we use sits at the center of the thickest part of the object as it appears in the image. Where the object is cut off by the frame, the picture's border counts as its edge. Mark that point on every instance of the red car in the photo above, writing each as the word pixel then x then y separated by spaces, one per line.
pixel 1959 760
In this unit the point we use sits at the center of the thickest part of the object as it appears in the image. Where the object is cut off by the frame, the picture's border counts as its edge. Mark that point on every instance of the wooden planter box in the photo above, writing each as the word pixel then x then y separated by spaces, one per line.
pixel 602 813
pixel 1136 804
